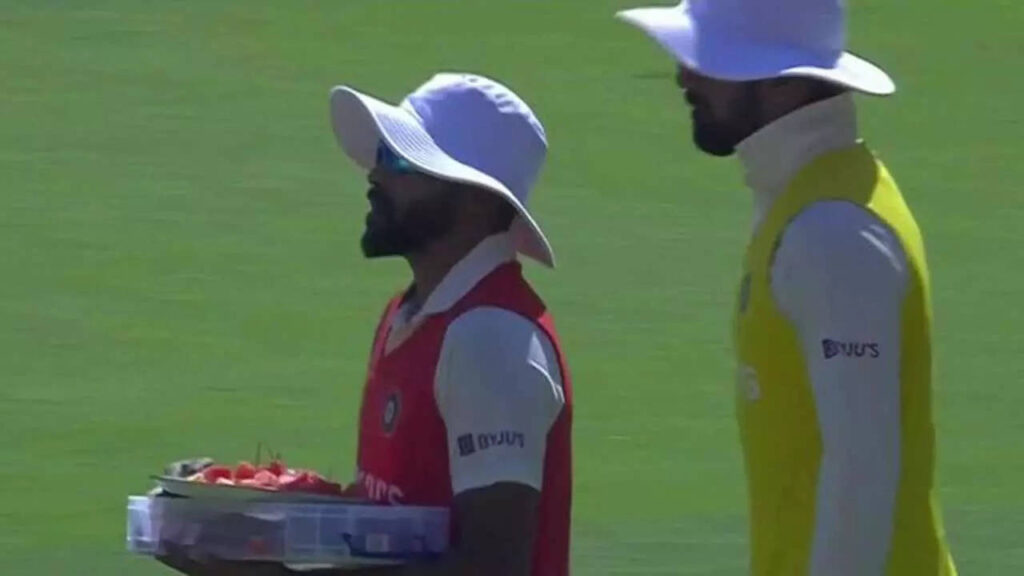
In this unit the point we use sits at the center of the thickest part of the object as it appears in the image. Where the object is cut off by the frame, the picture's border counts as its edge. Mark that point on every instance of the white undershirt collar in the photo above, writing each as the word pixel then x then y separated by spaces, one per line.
pixel 774 154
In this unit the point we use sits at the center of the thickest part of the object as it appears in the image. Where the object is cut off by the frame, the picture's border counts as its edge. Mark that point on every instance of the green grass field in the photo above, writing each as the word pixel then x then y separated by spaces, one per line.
pixel 180 273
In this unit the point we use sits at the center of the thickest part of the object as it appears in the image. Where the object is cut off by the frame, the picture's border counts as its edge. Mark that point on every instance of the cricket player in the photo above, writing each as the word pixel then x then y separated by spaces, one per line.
pixel 468 401
pixel 833 323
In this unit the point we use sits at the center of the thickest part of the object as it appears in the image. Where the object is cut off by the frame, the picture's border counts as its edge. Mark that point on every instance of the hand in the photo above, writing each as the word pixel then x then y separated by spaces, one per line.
pixel 182 469
pixel 188 467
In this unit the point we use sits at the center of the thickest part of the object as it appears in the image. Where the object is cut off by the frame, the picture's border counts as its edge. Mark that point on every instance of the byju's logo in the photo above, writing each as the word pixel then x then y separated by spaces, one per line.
pixel 833 348
pixel 469 444
pixel 466 445
pixel 503 438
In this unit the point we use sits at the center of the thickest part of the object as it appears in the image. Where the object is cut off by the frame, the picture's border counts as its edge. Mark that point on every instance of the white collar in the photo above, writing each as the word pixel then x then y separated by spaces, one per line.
pixel 483 259
pixel 774 154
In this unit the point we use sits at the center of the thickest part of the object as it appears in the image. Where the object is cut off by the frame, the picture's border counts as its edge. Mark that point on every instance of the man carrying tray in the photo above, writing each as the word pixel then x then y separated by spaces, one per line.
pixel 468 402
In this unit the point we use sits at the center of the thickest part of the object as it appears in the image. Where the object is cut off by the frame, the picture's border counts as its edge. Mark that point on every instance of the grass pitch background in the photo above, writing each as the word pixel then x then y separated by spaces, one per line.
pixel 180 275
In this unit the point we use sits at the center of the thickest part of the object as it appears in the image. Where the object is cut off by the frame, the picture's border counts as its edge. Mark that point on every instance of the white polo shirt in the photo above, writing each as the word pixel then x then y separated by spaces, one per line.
pixel 496 371
pixel 839 273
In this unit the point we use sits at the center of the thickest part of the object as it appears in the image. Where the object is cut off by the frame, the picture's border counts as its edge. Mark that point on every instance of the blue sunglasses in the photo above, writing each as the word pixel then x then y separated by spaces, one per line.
pixel 388 160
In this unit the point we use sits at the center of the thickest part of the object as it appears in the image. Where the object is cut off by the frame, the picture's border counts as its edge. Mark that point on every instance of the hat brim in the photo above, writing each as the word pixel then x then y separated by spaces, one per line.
pixel 361 122
pixel 730 58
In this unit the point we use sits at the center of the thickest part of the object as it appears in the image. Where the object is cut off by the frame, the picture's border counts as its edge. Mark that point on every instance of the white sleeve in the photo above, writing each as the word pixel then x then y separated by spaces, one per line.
pixel 498 387
pixel 840 276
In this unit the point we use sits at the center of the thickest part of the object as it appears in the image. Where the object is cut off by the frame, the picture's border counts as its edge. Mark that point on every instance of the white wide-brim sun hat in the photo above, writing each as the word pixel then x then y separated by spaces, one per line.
pixel 461 128
pixel 743 40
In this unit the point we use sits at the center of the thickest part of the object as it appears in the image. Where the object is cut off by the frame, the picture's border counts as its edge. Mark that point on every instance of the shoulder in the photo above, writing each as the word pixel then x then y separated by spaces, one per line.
pixel 837 235
pixel 493 360
pixel 492 339
pixel 837 250
pixel 484 326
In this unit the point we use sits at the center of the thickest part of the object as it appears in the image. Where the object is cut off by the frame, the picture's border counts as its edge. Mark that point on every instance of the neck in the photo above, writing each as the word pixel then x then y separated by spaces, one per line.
pixel 772 156
pixel 431 265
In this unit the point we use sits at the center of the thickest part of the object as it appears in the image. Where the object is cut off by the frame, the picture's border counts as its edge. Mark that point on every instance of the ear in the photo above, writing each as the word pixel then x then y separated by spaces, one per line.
pixel 466 200
pixel 804 88
pixel 784 83
pixel 463 194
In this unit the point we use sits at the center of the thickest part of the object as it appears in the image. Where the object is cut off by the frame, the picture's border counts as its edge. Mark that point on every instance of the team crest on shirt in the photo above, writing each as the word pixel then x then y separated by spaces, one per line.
pixel 744 297
pixel 747 385
pixel 392 410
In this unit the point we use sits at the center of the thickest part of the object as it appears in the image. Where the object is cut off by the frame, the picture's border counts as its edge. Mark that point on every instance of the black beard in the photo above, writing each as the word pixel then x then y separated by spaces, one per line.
pixel 710 139
pixel 423 222
pixel 720 138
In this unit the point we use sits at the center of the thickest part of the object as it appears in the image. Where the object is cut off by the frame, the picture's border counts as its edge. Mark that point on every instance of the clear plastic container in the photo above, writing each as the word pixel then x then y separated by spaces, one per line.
pixel 292 533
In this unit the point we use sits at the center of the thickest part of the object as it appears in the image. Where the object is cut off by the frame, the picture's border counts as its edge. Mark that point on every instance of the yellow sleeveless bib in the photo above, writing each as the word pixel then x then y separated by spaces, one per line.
pixel 775 404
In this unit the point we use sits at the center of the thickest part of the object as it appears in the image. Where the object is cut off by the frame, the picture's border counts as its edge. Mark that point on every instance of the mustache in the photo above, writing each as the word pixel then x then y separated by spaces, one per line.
pixel 379 200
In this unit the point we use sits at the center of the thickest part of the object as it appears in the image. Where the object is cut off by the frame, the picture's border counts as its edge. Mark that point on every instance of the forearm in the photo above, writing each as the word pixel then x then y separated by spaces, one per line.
pixel 854 517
